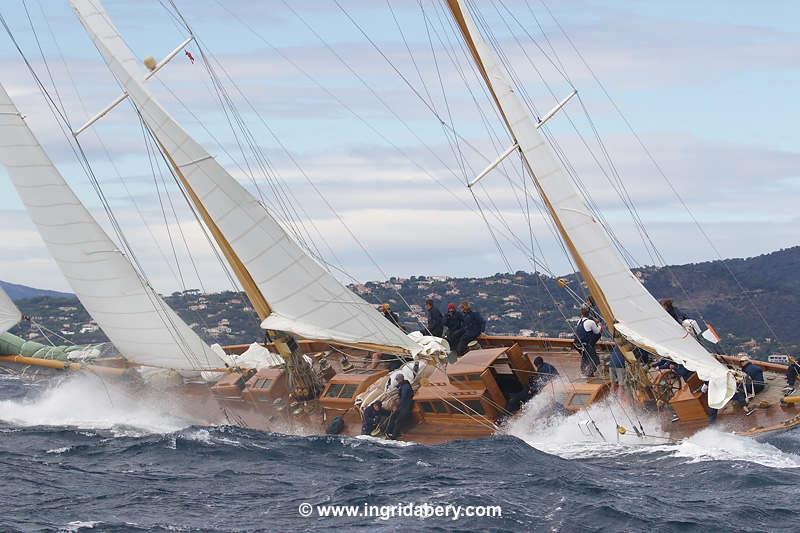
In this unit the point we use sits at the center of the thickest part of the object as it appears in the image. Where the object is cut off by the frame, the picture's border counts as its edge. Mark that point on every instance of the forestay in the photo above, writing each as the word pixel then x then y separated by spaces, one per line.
pixel 303 297
pixel 142 327
pixel 638 317
pixel 9 314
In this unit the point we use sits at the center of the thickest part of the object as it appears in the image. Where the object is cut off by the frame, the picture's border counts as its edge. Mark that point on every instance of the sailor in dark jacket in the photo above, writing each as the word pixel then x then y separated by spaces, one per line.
pixel 672 311
pixel 402 412
pixel 791 376
pixel 435 319
pixel 453 321
pixel 587 333
pixel 754 381
pixel 473 326
pixel 543 374
pixel 373 416
pixel 391 316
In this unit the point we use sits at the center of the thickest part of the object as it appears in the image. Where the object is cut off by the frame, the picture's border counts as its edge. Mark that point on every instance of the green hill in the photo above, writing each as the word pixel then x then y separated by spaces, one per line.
pixel 757 316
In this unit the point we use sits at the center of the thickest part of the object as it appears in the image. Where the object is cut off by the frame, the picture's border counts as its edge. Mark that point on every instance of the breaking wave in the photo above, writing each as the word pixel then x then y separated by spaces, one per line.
pixel 87 402
pixel 79 457
pixel 593 434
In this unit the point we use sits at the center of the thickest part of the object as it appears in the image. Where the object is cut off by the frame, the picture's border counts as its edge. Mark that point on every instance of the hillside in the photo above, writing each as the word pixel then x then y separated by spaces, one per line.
pixel 521 303
pixel 20 292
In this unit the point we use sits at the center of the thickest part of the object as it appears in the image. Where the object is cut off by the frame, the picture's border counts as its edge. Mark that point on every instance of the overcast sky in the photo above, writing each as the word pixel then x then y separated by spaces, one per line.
pixel 709 86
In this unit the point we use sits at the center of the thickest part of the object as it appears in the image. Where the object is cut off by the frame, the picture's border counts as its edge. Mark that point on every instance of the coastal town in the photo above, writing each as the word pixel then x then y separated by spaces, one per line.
pixel 523 304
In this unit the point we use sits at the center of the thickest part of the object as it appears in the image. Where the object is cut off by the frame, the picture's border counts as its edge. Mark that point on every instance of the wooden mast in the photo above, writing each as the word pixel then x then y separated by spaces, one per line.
pixel 242 274
pixel 254 294
pixel 594 289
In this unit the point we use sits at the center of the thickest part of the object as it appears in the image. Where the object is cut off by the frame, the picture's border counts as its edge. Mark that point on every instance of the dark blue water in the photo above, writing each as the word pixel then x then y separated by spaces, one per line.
pixel 136 474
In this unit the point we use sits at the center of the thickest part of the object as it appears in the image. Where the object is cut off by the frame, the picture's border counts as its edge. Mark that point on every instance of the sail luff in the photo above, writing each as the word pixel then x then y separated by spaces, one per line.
pixel 136 320
pixel 252 291
pixel 303 297
pixel 625 304
pixel 594 290
pixel 10 314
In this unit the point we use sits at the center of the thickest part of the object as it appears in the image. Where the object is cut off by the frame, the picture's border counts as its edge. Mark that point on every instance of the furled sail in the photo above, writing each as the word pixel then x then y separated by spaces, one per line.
pixel 142 327
pixel 625 303
pixel 301 296
pixel 9 314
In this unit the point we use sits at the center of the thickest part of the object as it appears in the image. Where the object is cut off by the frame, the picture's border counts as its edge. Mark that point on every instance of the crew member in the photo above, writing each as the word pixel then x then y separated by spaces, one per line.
pixel 373 416
pixel 617 369
pixel 753 381
pixel 587 333
pixel 678 369
pixel 473 326
pixel 435 319
pixel 391 316
pixel 403 409
pixel 791 376
pixel 543 374
pixel 673 311
pixel 453 321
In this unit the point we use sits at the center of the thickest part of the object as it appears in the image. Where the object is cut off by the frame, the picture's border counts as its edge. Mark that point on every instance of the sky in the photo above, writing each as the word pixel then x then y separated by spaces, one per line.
pixel 345 103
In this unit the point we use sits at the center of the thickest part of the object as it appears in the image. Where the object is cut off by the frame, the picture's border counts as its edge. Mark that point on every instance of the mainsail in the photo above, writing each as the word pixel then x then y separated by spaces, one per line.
pixel 626 305
pixel 9 314
pixel 299 295
pixel 136 320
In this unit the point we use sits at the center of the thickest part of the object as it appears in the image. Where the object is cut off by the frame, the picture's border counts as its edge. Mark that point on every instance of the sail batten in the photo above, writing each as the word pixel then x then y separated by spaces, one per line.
pixel 303 297
pixel 623 301
pixel 136 320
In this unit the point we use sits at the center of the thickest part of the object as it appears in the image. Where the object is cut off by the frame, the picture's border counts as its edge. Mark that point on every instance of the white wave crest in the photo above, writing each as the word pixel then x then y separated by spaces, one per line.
pixel 593 433
pixel 77 525
pixel 86 402
pixel 713 445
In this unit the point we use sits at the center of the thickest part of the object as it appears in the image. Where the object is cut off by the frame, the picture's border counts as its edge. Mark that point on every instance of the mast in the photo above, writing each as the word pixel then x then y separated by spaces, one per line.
pixel 462 19
pixel 137 321
pixel 240 271
pixel 628 309
pixel 295 294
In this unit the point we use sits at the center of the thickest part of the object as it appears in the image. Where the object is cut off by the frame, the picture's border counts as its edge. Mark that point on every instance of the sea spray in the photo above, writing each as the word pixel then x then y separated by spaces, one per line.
pixel 592 433
pixel 88 402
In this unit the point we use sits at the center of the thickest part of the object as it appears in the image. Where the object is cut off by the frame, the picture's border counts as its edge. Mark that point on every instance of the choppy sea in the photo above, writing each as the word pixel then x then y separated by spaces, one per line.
pixel 83 455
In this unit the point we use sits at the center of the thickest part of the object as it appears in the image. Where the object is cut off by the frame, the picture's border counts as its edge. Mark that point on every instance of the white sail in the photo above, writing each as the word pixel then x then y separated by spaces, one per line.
pixel 142 327
pixel 639 317
pixel 303 297
pixel 9 313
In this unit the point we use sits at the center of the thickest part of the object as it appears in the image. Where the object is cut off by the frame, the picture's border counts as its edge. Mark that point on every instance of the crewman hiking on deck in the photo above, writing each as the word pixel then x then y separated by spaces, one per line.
pixel 473 325
pixel 374 415
pixel 543 374
pixel 791 376
pixel 435 319
pixel 453 321
pixel 402 412
pixel 587 333
pixel 752 384
pixel 689 324
pixel 672 311
pixel 617 369
pixel 391 316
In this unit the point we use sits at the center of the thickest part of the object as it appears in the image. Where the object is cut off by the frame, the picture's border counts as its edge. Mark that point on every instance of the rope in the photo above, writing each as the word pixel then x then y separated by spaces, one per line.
pixel 77 149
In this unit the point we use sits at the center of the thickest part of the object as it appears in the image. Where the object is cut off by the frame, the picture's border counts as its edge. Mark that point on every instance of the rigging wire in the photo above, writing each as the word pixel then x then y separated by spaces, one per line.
pixel 659 169
pixel 77 148
pixel 369 324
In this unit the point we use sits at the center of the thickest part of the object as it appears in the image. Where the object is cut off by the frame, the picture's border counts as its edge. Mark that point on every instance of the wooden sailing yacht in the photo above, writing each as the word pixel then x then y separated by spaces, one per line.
pixel 317 325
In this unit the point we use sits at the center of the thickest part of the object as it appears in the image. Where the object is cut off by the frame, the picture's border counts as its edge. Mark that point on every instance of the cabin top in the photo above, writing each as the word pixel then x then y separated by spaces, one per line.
pixel 476 360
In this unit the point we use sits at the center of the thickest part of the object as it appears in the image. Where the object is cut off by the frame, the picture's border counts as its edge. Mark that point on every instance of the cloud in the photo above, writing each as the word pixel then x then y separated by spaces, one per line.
pixel 412 209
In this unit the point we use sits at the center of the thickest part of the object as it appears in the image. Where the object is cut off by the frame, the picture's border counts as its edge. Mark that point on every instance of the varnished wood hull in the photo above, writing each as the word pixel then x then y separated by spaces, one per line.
pixel 208 406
